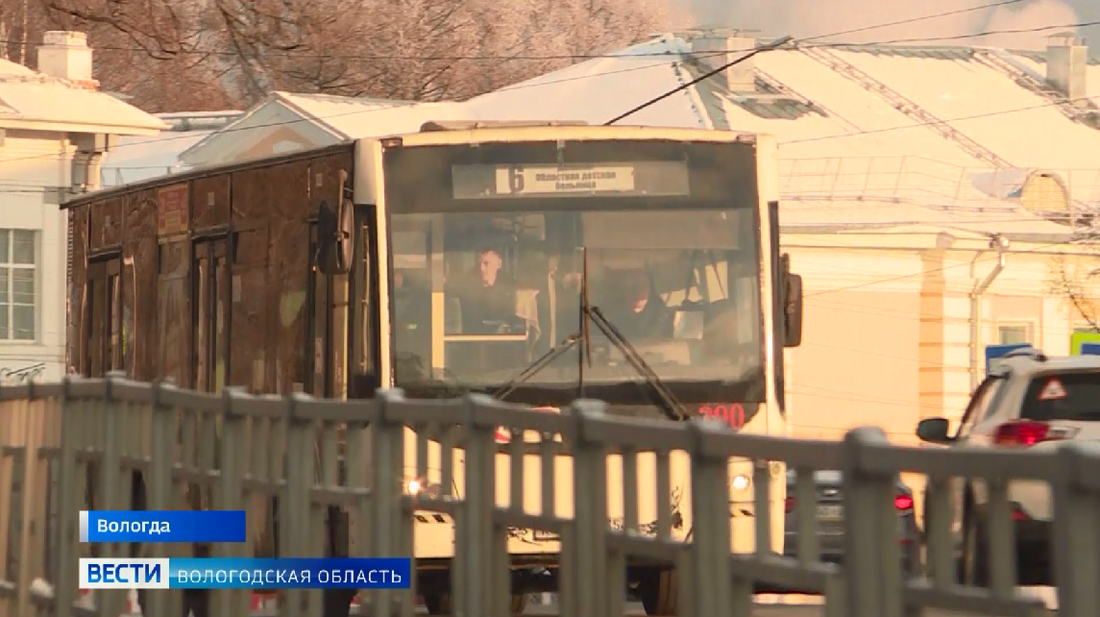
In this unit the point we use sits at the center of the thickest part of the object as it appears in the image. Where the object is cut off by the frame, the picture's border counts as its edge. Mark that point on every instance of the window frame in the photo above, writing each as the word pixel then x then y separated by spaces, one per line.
pixel 1029 331
pixel 7 263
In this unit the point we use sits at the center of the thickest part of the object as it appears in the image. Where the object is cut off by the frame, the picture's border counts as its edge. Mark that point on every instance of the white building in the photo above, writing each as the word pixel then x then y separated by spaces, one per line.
pixel 55 127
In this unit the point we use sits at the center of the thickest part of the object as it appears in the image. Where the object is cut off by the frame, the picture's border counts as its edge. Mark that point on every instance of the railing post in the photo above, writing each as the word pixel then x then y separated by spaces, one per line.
pixel 1076 530
pixel 68 550
pixel 870 530
pixel 712 583
pixel 294 527
pixel 231 601
pixel 474 525
pixel 590 513
pixel 387 490
pixel 109 485
pixel 159 484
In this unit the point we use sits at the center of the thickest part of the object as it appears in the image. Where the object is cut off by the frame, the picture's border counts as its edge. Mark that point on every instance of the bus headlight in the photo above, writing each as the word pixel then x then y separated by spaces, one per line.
pixel 740 483
pixel 420 487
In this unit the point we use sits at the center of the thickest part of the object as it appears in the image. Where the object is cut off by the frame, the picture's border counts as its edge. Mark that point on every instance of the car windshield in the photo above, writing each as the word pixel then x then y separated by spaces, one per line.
pixel 1064 396
pixel 477 297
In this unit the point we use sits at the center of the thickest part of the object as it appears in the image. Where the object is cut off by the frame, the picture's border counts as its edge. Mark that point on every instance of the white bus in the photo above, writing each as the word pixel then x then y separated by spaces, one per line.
pixel 541 264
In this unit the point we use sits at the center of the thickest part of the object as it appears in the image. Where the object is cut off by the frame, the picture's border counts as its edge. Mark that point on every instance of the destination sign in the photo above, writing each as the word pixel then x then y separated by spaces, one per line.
pixel 644 178
pixel 546 179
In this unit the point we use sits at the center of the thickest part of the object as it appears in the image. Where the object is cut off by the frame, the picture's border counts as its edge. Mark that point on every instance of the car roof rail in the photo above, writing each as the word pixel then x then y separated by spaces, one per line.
pixel 1027 352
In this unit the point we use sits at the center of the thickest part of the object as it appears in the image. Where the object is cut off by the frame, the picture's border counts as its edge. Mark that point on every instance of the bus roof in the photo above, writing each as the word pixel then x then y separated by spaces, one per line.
pixel 441 133
pixel 438 134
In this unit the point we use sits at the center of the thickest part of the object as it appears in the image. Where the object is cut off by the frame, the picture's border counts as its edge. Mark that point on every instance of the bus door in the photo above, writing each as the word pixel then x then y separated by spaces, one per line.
pixel 211 313
pixel 103 342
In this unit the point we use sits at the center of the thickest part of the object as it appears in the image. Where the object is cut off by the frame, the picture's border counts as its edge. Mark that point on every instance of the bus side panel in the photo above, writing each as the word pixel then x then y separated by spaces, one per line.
pixel 210 202
pixel 325 179
pixel 139 333
pixel 288 267
pixel 249 340
pixel 105 227
pixel 172 342
pixel 78 277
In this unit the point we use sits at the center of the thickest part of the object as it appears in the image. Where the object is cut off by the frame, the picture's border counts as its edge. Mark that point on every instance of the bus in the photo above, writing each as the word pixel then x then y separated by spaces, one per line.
pixel 536 263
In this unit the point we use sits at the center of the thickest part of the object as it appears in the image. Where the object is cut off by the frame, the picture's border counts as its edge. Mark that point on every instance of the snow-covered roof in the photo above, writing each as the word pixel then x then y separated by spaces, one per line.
pixel 32 100
pixel 337 117
pixel 136 158
pixel 133 159
pixel 935 129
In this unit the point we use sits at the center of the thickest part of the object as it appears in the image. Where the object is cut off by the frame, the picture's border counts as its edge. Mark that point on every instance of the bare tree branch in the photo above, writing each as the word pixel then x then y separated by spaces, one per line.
pixel 173 55
pixel 1078 290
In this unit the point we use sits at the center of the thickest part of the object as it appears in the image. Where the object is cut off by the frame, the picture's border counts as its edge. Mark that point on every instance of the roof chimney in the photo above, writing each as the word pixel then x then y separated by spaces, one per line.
pixel 715 48
pixel 1067 63
pixel 66 55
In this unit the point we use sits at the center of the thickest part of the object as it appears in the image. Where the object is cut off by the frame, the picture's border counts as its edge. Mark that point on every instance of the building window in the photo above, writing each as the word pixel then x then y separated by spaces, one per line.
pixel 18 284
pixel 1015 334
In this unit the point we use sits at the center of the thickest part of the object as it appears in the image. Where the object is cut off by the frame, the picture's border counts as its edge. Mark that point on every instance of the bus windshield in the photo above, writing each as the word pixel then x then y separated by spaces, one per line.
pixel 478 297
pixel 490 243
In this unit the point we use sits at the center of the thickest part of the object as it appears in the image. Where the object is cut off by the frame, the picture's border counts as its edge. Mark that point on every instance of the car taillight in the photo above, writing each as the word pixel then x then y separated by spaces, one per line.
pixel 1024 433
pixel 789 505
pixel 903 502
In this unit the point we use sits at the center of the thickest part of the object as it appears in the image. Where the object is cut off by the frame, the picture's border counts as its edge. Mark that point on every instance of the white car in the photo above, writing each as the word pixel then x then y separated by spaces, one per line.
pixel 1027 401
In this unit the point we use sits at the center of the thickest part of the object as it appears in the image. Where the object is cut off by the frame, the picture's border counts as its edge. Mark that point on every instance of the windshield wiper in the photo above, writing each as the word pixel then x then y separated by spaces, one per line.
pixel 536 366
pixel 660 394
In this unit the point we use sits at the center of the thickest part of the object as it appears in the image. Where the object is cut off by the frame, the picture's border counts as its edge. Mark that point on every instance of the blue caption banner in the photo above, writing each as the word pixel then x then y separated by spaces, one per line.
pixel 161 526
pixel 290 573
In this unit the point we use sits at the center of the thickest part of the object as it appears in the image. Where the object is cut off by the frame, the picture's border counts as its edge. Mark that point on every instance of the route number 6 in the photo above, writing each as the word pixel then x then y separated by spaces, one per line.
pixel 515 179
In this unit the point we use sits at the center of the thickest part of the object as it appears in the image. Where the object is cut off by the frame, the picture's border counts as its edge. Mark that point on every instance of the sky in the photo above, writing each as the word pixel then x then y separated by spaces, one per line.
pixel 807 18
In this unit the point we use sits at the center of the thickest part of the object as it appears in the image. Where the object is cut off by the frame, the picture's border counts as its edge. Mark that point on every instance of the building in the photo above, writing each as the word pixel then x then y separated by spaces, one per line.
pixel 907 174
pixel 286 122
pixel 55 127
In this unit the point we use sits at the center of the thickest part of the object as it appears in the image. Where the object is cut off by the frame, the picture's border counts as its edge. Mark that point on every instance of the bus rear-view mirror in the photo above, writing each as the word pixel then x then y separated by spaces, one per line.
pixel 792 312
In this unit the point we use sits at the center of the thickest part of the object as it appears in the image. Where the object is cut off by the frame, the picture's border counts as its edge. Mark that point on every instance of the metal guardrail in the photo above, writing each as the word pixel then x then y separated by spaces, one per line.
pixel 81 440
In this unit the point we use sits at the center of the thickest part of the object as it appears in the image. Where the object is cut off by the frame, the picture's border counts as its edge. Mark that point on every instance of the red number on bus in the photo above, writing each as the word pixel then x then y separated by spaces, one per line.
pixel 732 414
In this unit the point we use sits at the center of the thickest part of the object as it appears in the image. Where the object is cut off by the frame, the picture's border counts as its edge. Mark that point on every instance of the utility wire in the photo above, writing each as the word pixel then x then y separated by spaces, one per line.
pixel 959 37
pixel 913 20
pixel 770 46
pixel 787 39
